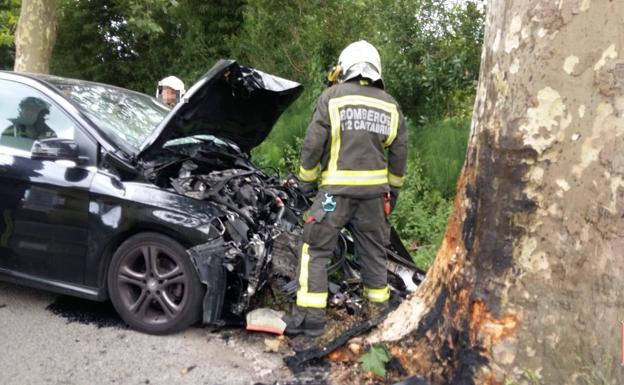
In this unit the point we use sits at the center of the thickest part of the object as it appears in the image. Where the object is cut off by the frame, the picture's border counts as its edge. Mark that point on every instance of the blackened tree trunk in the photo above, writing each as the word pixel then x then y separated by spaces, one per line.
pixel 35 35
pixel 528 285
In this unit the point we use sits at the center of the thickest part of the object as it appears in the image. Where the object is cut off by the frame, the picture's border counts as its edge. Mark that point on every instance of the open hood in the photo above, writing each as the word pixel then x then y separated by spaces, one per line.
pixel 230 101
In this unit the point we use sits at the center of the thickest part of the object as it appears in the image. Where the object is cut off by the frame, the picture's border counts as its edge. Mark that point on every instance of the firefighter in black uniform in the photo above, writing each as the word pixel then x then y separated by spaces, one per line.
pixel 355 150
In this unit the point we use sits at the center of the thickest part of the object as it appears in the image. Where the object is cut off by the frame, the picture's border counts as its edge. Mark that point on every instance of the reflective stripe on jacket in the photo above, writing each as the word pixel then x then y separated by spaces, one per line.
pixel 356 142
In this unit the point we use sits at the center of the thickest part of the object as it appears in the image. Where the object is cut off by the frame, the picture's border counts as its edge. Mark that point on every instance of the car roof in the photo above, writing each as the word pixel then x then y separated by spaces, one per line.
pixel 54 80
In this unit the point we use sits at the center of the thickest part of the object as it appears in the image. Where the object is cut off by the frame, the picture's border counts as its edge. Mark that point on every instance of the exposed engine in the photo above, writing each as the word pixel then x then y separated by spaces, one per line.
pixel 257 213
pixel 259 208
pixel 260 231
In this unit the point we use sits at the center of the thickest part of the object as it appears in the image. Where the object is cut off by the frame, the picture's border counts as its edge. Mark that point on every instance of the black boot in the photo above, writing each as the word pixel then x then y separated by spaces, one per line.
pixel 376 310
pixel 304 322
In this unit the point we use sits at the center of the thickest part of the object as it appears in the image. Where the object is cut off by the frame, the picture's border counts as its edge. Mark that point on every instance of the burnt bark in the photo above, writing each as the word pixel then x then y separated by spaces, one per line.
pixel 35 35
pixel 526 287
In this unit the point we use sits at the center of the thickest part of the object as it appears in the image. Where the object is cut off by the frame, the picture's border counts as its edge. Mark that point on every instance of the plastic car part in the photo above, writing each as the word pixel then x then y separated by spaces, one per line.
pixel 208 260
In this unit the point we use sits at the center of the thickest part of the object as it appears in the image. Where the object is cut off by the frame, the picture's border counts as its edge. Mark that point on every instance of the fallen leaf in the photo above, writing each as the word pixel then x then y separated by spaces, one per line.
pixel 375 359
pixel 340 355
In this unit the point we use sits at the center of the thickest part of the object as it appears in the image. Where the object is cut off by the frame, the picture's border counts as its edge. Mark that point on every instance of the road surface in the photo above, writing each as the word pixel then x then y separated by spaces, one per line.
pixel 52 339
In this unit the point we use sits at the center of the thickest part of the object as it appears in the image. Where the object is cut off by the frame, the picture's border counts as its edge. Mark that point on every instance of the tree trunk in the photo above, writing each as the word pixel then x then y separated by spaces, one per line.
pixel 35 35
pixel 527 285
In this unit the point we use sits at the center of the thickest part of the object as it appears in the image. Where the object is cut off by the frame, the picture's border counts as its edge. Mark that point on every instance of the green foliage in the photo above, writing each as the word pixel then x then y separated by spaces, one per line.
pixel 420 215
pixel 9 14
pixel 135 43
pixel 375 359
pixel 441 146
pixel 281 149
pixel 301 39
pixel 431 55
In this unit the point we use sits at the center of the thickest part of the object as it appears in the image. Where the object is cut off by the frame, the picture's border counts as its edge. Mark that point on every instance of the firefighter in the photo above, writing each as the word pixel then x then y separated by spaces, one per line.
pixel 355 151
pixel 170 90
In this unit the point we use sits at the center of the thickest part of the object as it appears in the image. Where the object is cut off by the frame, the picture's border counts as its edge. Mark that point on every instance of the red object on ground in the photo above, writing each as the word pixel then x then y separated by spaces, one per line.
pixel 265 329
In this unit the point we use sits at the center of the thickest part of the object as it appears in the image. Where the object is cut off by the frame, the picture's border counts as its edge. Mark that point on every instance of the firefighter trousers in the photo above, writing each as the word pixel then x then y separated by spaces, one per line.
pixel 369 226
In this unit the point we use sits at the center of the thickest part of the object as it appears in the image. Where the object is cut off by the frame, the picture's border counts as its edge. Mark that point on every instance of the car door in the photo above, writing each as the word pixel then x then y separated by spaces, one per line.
pixel 44 204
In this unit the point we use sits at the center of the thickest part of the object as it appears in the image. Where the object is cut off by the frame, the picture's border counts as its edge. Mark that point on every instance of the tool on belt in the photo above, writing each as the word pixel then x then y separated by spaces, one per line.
pixel 387 205
pixel 329 204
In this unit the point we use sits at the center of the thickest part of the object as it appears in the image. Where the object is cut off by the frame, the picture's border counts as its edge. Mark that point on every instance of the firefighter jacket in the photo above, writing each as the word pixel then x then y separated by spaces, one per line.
pixel 356 142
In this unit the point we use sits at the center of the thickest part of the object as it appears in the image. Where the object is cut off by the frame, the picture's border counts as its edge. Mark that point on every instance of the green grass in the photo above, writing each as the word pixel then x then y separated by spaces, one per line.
pixel 441 146
pixel 282 147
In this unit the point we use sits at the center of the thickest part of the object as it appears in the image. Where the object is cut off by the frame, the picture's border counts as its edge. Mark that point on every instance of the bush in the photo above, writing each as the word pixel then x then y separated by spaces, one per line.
pixel 421 215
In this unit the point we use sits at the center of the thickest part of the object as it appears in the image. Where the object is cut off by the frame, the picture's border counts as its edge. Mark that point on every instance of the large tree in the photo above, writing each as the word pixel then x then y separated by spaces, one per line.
pixel 35 35
pixel 527 285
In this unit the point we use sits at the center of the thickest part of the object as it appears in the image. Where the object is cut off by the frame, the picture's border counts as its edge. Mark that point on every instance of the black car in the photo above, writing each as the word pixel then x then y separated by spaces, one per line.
pixel 106 193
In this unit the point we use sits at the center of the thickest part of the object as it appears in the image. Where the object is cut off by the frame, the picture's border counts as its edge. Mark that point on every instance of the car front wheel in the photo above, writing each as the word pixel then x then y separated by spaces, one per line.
pixel 153 285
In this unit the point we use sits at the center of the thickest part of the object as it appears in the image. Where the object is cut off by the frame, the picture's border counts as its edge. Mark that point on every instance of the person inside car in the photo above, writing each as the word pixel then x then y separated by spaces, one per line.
pixel 30 122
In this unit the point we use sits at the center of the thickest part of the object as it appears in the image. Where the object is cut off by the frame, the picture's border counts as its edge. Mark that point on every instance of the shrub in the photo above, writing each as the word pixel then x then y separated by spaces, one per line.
pixel 421 215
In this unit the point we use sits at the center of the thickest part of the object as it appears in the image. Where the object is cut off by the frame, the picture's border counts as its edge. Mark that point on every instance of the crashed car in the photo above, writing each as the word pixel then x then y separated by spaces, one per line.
pixel 107 194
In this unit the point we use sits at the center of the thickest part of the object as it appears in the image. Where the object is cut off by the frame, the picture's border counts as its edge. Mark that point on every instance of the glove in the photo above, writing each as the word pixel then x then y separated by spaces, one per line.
pixel 394 197
pixel 308 188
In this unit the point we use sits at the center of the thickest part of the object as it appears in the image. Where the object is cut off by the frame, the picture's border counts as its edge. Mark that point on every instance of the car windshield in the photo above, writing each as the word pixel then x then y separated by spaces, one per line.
pixel 129 115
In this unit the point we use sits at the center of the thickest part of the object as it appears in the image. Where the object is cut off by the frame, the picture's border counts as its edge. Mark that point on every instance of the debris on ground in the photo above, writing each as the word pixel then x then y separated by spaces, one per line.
pixel 338 333
pixel 414 380
pixel 274 345
pixel 266 320
pixel 186 370
pixel 355 348
pixel 341 355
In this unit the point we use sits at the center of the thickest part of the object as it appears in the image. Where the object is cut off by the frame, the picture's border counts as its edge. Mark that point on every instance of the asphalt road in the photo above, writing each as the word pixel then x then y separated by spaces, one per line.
pixel 51 339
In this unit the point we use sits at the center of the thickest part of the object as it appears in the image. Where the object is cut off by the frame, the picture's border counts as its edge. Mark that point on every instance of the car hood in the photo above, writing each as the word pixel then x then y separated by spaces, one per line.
pixel 230 101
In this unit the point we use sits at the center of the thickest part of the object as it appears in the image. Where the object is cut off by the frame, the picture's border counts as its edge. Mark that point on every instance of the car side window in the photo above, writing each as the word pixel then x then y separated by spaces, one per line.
pixel 27 115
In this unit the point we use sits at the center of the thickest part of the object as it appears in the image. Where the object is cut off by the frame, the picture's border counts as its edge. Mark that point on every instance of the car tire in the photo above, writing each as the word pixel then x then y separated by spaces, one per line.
pixel 153 285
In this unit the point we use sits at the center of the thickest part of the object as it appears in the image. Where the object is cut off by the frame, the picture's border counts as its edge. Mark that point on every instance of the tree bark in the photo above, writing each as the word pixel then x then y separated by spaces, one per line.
pixel 527 285
pixel 35 35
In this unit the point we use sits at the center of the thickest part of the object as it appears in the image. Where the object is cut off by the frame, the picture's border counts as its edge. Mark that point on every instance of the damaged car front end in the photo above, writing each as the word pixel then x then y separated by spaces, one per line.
pixel 202 152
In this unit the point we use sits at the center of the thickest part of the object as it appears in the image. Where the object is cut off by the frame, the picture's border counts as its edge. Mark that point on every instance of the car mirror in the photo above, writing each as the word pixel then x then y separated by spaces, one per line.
pixel 120 164
pixel 56 149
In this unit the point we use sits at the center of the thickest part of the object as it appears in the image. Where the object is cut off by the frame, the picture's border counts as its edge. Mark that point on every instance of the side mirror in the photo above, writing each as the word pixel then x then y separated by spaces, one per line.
pixel 56 149
pixel 121 165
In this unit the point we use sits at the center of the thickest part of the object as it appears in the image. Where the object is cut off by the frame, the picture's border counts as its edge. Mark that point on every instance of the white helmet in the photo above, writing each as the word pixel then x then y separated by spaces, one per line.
pixel 360 59
pixel 171 82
